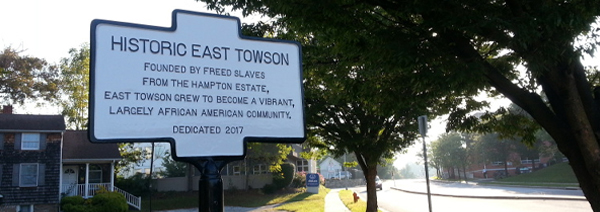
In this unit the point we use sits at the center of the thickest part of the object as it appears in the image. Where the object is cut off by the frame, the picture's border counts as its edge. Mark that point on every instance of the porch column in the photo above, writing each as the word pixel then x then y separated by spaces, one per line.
pixel 112 176
pixel 87 179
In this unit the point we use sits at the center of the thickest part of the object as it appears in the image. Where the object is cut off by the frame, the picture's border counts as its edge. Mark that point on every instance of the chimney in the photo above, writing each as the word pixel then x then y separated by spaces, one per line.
pixel 7 109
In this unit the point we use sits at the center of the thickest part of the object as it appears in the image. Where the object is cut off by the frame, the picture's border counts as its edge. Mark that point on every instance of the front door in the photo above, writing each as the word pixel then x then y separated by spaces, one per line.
pixel 69 180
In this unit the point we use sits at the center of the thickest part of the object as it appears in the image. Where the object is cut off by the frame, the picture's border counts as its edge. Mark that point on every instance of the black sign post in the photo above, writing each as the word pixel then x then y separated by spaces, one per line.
pixel 211 184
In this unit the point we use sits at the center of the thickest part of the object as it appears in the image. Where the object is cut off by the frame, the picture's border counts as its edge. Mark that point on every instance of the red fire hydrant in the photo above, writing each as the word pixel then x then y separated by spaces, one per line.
pixel 355 197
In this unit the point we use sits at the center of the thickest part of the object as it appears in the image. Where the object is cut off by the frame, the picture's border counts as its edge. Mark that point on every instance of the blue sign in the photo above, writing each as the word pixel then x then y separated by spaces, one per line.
pixel 312 180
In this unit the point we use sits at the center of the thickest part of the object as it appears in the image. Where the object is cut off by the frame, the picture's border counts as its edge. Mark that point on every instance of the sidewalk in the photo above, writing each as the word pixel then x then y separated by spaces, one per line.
pixel 490 191
pixel 333 203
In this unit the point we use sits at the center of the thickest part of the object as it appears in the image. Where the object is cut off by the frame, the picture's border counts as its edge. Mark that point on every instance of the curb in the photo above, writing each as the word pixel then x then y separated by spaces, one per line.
pixel 523 197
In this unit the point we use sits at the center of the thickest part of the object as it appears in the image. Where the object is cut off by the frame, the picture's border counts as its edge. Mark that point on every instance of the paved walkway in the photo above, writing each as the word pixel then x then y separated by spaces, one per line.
pixel 333 202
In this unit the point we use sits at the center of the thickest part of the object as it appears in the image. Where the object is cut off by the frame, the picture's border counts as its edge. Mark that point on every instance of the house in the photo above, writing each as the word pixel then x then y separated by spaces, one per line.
pixel 247 173
pixel 329 167
pixel 87 167
pixel 41 162
pixel 30 150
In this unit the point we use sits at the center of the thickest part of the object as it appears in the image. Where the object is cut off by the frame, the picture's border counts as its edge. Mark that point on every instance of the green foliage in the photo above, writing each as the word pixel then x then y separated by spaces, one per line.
pixel 109 201
pixel 71 200
pixel 558 173
pixel 130 156
pixel 101 202
pixel 137 184
pixel 269 188
pixel 299 180
pixel 269 153
pixel 74 87
pixel 76 208
pixel 173 168
pixel 365 57
pixel 284 177
pixel 449 150
pixel 26 78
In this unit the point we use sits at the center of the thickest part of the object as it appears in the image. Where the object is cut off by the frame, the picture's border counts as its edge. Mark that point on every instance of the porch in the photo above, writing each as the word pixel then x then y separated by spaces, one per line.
pixel 92 188
pixel 89 167
pixel 88 179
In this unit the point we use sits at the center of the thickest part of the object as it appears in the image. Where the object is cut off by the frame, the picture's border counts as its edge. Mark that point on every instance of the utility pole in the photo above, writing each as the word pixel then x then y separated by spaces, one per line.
pixel 423 132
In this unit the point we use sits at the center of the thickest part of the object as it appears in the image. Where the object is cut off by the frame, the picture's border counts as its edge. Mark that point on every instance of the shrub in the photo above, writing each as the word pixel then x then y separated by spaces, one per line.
pixel 73 204
pixel 269 189
pixel 299 180
pixel 75 208
pixel 137 184
pixel 71 200
pixel 284 177
pixel 109 201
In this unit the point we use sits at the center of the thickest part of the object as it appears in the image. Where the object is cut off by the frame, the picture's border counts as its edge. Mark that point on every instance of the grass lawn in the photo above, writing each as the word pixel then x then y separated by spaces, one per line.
pixel 240 198
pixel 557 175
pixel 306 202
pixel 348 200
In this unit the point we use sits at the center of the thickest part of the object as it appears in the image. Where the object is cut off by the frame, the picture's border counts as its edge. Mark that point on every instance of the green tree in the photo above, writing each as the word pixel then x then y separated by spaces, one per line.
pixel 173 168
pixel 26 78
pixel 74 87
pixel 491 148
pixel 450 152
pixel 481 48
pixel 130 156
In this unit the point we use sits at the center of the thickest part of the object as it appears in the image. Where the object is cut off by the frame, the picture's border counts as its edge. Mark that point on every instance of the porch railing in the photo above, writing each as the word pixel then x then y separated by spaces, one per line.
pixel 132 200
pixel 93 188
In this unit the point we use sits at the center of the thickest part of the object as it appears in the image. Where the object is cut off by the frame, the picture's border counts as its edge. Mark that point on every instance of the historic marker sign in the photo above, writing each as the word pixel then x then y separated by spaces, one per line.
pixel 199 84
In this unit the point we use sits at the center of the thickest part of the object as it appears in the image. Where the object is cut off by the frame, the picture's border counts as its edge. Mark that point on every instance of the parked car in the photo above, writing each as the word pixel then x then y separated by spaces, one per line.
pixel 343 175
pixel 378 183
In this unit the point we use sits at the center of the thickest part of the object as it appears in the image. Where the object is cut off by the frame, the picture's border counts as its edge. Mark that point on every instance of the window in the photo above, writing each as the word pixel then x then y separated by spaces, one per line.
pixel 30 141
pixel 25 208
pixel 237 170
pixel 28 175
pixel 95 174
pixel 302 165
pixel 259 169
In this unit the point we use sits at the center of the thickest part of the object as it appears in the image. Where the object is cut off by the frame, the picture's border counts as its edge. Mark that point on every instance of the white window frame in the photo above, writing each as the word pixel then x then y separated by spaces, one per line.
pixel 32 139
pixel 303 166
pixel 237 170
pixel 35 176
pixel 99 170
pixel 19 207
pixel 262 169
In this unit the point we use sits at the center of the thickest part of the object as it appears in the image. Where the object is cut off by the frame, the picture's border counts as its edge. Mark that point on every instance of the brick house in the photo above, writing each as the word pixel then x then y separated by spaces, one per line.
pixel 30 156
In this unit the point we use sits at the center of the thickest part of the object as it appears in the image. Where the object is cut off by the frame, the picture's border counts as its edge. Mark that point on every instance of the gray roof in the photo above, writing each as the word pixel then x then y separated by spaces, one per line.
pixel 77 146
pixel 22 122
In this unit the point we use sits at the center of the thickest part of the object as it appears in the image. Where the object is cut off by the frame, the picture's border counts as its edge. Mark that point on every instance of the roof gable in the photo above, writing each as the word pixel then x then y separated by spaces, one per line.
pixel 77 146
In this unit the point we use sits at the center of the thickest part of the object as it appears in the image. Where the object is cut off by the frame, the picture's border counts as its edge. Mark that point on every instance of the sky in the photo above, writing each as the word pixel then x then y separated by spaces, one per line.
pixel 48 29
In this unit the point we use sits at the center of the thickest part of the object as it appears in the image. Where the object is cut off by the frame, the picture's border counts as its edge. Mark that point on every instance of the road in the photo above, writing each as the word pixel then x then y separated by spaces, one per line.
pixel 393 200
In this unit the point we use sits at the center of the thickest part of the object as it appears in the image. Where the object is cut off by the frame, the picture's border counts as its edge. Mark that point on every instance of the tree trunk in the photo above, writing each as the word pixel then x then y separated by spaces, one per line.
pixel 465 171
pixel 370 171
pixel 370 175
pixel 506 168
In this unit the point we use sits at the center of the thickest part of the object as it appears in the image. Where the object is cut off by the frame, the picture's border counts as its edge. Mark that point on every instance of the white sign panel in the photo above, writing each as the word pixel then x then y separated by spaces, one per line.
pixel 199 84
